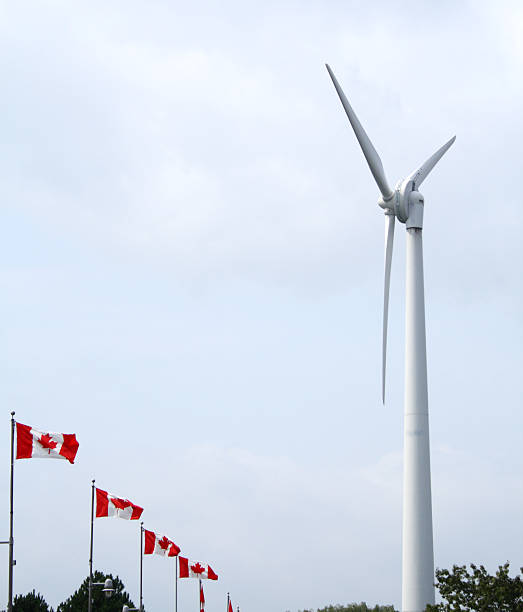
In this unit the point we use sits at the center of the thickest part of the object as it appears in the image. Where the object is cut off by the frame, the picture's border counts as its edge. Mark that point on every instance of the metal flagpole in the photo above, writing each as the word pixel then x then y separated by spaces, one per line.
pixel 228 600
pixel 90 601
pixel 141 566
pixel 200 595
pixel 176 583
pixel 11 539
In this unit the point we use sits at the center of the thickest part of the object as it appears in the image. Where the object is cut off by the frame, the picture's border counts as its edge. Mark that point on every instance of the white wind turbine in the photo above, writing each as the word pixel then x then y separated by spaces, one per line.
pixel 406 203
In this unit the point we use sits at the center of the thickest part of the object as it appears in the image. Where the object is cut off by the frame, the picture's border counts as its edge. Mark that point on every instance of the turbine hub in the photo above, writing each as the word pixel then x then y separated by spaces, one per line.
pixel 405 203
pixel 403 189
pixel 388 203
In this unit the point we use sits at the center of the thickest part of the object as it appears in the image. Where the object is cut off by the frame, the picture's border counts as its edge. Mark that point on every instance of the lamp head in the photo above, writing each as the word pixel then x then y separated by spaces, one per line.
pixel 108 589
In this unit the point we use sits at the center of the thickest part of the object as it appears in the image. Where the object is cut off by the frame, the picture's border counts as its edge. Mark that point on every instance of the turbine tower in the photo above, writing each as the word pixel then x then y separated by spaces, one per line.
pixel 405 203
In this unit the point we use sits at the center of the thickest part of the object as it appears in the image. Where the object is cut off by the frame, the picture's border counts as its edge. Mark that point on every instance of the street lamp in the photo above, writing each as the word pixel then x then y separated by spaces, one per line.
pixel 127 609
pixel 108 589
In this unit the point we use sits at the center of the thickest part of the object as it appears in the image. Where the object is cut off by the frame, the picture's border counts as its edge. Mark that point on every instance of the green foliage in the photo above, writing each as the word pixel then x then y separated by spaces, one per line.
pixel 354 607
pixel 31 602
pixel 477 591
pixel 79 599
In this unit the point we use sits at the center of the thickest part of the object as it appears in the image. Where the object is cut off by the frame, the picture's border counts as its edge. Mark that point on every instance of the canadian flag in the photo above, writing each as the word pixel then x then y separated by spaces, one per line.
pixel 110 505
pixel 161 545
pixel 202 598
pixel 195 569
pixel 33 443
pixel 230 606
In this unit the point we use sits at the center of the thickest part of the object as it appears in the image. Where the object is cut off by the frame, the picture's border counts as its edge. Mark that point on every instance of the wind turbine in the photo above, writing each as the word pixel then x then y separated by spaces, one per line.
pixel 405 203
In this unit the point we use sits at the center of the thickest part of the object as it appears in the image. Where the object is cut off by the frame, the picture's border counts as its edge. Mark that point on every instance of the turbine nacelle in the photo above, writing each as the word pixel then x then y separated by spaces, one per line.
pixel 415 210
pixel 406 204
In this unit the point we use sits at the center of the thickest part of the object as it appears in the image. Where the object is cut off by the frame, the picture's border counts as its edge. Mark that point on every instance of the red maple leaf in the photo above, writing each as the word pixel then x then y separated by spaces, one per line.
pixel 164 543
pixel 119 503
pixel 47 442
pixel 197 568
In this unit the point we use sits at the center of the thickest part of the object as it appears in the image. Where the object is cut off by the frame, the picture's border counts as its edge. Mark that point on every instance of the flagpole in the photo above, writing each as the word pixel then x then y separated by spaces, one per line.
pixel 141 566
pixel 176 584
pixel 89 603
pixel 11 539
pixel 228 600
pixel 199 596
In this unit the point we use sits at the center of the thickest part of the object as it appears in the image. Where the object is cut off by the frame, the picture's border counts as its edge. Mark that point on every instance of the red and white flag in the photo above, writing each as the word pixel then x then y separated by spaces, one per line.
pixel 161 545
pixel 33 443
pixel 202 598
pixel 230 606
pixel 110 505
pixel 195 569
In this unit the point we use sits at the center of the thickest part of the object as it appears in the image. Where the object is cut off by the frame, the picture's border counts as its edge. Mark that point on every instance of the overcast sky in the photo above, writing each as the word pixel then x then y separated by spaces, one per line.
pixel 191 278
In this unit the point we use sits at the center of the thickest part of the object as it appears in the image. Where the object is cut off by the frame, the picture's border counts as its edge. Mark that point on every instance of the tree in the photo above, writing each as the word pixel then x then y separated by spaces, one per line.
pixel 355 607
pixel 477 591
pixel 79 599
pixel 31 602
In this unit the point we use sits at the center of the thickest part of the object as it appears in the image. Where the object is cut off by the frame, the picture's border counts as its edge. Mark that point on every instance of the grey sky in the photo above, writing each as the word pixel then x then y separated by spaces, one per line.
pixel 192 282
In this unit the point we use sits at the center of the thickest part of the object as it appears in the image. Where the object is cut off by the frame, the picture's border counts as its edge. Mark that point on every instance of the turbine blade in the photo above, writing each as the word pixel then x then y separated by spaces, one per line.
pixel 419 175
pixel 389 240
pixel 371 155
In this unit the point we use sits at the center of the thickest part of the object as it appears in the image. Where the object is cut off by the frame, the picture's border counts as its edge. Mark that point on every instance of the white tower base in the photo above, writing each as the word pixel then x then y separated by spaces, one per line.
pixel 418 555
